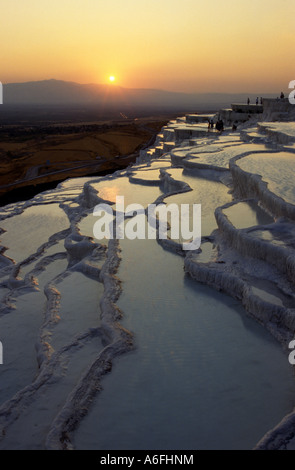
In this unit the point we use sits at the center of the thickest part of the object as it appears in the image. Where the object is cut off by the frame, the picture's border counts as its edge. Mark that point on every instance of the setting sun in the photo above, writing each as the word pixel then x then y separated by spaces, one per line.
pixel 69 44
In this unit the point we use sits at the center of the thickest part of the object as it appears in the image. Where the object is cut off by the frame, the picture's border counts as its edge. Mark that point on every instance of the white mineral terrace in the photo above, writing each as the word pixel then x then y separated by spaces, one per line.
pixel 140 344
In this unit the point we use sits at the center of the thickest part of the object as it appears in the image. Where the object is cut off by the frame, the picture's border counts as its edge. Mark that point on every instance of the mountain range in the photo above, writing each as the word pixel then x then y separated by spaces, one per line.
pixel 64 93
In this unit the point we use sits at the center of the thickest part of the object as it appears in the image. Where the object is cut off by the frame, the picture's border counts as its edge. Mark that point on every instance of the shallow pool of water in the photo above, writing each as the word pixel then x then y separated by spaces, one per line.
pixel 133 193
pixel 203 374
pixel 247 214
pixel 210 194
pixel 27 231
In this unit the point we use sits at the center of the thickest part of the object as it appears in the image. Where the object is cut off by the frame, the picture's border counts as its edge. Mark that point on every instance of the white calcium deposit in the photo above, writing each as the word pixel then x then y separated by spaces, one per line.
pixel 139 344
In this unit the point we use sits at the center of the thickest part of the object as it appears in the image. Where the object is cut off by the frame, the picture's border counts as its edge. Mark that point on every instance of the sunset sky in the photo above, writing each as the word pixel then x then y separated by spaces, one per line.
pixel 181 45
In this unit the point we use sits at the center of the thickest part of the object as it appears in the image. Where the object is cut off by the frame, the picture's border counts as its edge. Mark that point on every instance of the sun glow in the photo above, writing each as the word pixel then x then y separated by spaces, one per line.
pixel 127 44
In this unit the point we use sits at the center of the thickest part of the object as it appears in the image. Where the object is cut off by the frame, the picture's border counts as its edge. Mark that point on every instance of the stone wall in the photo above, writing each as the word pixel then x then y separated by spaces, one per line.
pixel 278 109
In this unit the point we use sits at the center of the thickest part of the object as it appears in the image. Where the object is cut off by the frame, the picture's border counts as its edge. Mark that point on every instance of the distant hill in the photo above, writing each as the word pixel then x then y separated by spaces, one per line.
pixel 63 93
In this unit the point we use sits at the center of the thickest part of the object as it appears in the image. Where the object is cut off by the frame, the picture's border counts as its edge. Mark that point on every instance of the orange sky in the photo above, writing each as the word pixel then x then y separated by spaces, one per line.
pixel 181 45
